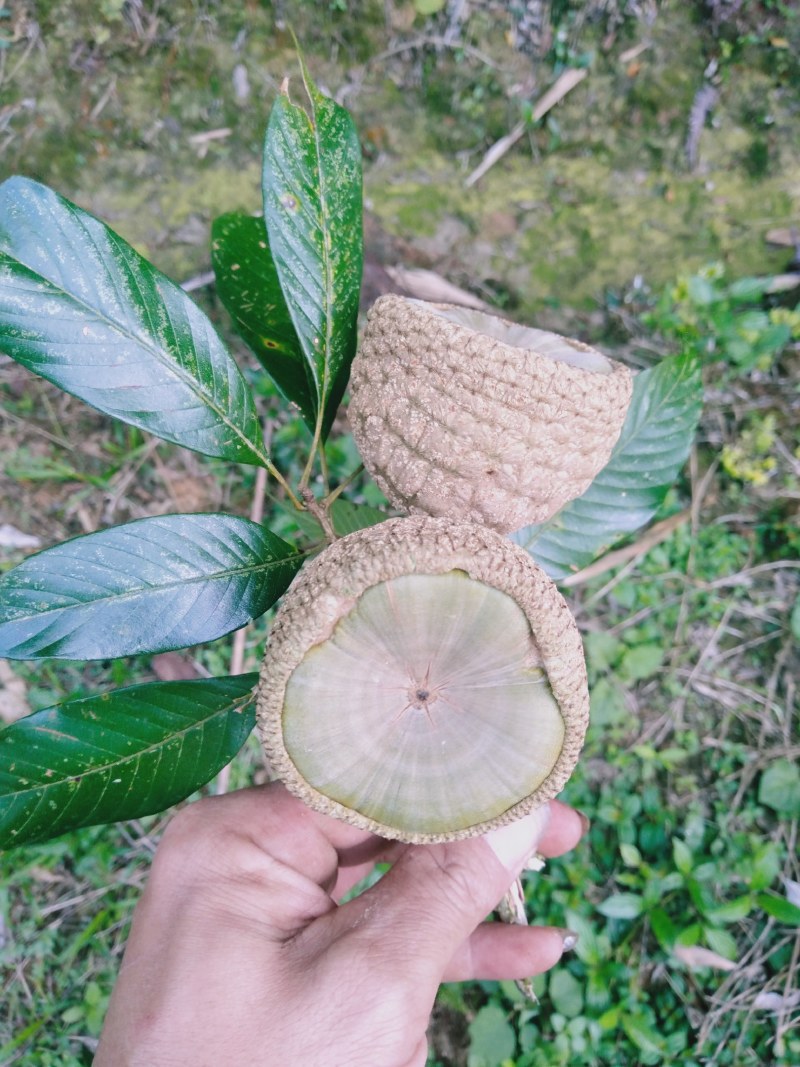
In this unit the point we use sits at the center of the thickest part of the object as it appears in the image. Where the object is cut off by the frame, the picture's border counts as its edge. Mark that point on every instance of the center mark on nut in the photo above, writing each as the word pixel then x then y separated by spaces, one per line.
pixel 421 697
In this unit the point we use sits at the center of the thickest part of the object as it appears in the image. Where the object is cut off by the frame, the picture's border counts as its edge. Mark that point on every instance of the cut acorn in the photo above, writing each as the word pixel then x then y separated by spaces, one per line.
pixel 462 414
pixel 424 680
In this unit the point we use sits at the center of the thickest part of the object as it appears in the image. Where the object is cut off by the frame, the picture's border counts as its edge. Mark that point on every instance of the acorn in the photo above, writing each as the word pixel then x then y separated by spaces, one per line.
pixel 424 680
pixel 461 414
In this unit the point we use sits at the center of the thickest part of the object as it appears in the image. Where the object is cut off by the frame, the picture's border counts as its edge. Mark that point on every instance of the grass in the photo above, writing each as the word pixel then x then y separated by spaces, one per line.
pixel 692 758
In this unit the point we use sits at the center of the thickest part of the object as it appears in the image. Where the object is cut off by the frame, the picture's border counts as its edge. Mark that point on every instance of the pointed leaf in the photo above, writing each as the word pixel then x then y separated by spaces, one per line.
pixel 149 586
pixel 780 908
pixel 122 755
pixel 248 286
pixel 653 447
pixel 621 906
pixel 83 309
pixel 312 208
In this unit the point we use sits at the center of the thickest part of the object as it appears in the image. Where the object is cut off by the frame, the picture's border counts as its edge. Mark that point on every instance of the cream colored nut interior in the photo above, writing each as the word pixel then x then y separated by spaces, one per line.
pixel 550 345
pixel 427 708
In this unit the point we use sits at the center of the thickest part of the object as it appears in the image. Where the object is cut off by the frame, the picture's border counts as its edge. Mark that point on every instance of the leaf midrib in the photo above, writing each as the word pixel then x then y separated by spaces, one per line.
pixel 131 593
pixel 173 365
pixel 237 704
pixel 326 258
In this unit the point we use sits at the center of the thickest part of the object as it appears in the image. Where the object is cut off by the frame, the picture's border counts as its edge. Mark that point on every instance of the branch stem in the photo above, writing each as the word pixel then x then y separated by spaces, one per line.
pixel 335 493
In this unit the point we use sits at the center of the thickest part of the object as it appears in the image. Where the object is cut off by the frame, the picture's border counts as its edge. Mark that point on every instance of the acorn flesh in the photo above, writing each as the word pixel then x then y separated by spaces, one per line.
pixel 461 414
pixel 423 680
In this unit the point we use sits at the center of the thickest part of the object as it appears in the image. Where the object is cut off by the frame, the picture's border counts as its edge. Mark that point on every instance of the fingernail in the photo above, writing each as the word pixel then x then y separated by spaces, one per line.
pixel 513 844
pixel 585 824
pixel 569 939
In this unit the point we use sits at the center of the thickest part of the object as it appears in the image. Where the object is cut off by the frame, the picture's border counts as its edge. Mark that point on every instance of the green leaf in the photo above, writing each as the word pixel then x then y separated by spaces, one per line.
pixel 780 788
pixel 690 935
pixel 248 286
pixel 151 585
pixel 766 865
pixel 721 942
pixel 682 856
pixel 122 755
pixel 347 517
pixel 492 1037
pixel 592 948
pixel 779 908
pixel 652 448
pixel 646 1039
pixel 81 308
pixel 622 906
pixel 749 290
pixel 312 208
pixel 640 662
pixel 631 856
pixel 663 928
pixel 731 912
pixel 602 649
pixel 608 707
pixel 566 993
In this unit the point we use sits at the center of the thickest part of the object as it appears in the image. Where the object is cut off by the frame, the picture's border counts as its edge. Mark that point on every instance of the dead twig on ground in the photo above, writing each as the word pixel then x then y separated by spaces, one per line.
pixel 564 84
pixel 240 637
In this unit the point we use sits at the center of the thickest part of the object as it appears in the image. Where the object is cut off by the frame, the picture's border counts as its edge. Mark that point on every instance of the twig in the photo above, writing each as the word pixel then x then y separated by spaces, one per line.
pixel 319 509
pixel 335 493
pixel 564 84
pixel 110 89
pixel 199 281
pixel 431 42
pixel 239 638
pixel 633 53
pixel 256 515
pixel 704 102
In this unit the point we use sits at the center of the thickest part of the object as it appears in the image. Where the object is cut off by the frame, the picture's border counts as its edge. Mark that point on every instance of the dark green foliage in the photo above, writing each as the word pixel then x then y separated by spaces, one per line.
pixel 248 285
pixel 312 208
pixel 122 755
pixel 152 585
pixel 83 309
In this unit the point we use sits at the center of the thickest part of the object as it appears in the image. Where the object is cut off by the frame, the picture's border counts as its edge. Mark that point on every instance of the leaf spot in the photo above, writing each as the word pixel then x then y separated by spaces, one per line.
pixel 289 202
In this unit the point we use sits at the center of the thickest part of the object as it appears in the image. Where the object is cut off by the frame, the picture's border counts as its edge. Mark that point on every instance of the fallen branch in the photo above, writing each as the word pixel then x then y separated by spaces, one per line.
pixel 564 84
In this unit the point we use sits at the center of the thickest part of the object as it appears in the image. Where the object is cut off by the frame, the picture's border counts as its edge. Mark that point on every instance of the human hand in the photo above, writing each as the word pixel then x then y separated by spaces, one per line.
pixel 239 954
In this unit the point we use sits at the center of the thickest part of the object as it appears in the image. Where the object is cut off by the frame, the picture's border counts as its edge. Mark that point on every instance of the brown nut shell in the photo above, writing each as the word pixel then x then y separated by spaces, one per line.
pixel 430 669
pixel 461 414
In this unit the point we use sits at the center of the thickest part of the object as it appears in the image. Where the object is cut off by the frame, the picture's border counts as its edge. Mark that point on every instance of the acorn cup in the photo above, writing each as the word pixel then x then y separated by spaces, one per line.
pixel 423 680
pixel 462 414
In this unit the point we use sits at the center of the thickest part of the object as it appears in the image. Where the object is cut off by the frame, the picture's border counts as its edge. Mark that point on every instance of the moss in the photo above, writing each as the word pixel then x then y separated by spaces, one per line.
pixel 586 201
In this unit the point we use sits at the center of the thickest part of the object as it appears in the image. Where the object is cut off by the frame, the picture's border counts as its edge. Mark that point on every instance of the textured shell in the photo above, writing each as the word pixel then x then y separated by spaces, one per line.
pixel 344 571
pixel 452 421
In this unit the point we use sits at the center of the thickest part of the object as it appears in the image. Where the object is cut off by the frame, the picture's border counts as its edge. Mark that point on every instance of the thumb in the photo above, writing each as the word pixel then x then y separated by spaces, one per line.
pixel 436 895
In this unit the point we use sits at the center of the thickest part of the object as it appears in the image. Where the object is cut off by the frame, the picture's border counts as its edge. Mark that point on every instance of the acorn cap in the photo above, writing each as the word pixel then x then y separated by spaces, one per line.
pixel 465 415
pixel 423 680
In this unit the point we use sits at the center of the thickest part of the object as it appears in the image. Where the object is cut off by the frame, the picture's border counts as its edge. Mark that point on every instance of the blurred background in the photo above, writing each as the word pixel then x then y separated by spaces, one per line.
pixel 625 171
